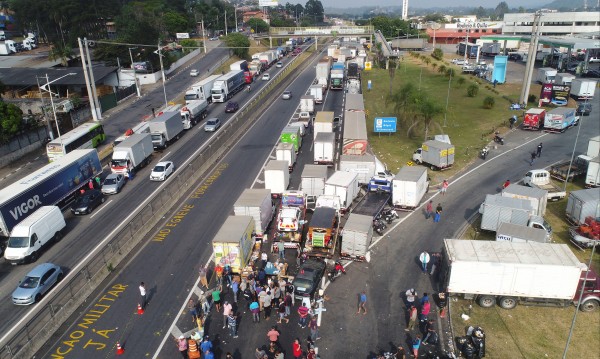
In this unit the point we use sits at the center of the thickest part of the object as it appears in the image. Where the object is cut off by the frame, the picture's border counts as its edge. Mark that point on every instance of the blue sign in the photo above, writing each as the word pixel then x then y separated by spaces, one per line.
pixel 385 124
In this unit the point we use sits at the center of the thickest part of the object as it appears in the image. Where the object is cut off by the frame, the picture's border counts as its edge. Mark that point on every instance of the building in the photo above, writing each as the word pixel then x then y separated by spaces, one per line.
pixel 404 10
pixel 255 15
pixel 457 32
pixel 554 23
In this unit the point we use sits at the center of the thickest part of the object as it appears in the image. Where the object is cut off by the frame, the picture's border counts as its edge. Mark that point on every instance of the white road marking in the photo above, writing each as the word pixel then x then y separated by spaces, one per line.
pixel 98 210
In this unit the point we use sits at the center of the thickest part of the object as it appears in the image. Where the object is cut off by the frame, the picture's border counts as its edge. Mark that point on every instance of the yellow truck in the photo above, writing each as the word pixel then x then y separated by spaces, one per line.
pixel 233 243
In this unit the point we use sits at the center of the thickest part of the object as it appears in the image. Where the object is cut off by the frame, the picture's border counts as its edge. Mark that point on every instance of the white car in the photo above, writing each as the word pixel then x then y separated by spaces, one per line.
pixel 162 171
pixel 458 61
pixel 194 73
pixel 594 59
pixel 266 77
pixel 279 64
pixel 212 124
pixel 287 94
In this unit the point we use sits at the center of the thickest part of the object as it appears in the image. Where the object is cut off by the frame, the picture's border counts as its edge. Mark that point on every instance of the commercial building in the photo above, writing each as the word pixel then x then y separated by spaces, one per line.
pixel 554 23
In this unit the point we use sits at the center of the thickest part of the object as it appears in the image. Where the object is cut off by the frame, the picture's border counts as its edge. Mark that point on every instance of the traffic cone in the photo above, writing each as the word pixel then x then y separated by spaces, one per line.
pixel 120 349
pixel 443 312
pixel 140 309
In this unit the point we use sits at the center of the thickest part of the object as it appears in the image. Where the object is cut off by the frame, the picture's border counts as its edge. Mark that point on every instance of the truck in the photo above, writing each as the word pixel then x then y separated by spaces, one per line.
pixel 227 85
pixel 322 71
pixel 165 128
pixel 592 176
pixel 291 134
pixel 534 119
pixel 517 233
pixel 583 89
pixel 285 152
pixel 355 102
pixel 54 184
pixel 4 49
pixel 233 243
pixel 587 234
pixel 324 149
pixel 564 78
pixel 193 112
pixel 323 231
pixel 323 122
pixel 435 154
pixel 357 236
pixel 256 203
pixel 490 49
pixel 570 171
pixel 141 127
pixel 543 180
pixel 277 177
pixel 312 181
pixel 201 90
pixel 316 91
pixel 345 185
pixel 538 197
pixel 560 119
pixel 408 188
pixel 331 50
pixel 243 66
pixel 497 209
pixel 546 75
pixel 307 104
pixel 353 72
pixel 364 166
pixel 356 141
pixel 507 274
pixel 593 149
pixel 336 77
pixel 255 67
pixel 471 49
pixel 267 58
pixel 291 219
pixel 582 204
pixel 132 154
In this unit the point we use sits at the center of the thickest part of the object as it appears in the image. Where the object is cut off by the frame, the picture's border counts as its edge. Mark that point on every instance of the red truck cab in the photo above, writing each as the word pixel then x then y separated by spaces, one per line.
pixel 590 298
pixel 534 119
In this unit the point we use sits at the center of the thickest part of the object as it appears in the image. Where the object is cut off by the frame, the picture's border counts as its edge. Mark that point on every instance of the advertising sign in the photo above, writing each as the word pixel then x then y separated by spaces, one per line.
pixel 182 35
pixel 385 124
pixel 270 3
pixel 368 65
pixel 555 94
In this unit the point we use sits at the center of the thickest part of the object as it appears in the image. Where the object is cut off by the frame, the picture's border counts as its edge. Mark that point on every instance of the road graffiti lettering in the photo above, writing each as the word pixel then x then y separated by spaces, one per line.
pixel 209 181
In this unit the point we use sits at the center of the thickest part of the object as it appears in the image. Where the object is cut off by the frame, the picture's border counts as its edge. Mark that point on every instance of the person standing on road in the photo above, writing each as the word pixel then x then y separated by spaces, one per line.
pixel 303 313
pixel 533 156
pixel 412 318
pixel 267 304
pixel 219 273
pixel 362 301
pixel 227 309
pixel 431 334
pixel 288 304
pixel 203 272
pixel 192 307
pixel 297 349
pixel 182 345
pixel 425 308
pixel 416 345
pixel 281 249
pixel 235 288
pixel 539 150
pixel 232 323
pixel 143 295
pixel 281 312
pixel 273 335
pixel 424 259
pixel 216 295
pixel 206 344
pixel 314 328
pixel 411 296
pixel 444 187
pixel 255 309
pixel 429 209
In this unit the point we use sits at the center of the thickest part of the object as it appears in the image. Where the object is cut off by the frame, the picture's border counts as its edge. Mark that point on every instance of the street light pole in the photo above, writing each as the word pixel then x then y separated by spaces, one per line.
pixel 236 22
pixel 46 87
pixel 137 88
pixel 162 71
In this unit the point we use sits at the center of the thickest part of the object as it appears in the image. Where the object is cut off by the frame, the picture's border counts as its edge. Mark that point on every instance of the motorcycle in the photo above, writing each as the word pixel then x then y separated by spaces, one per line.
pixel 498 139
pixel 484 152
pixel 389 215
pixel 379 226
pixel 336 272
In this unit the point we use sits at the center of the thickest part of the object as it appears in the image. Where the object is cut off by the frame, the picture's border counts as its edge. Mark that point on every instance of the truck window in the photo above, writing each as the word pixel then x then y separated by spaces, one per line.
pixel 34 239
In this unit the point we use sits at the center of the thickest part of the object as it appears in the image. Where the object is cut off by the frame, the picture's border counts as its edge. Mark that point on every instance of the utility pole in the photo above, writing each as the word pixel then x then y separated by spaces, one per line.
pixel 87 82
pixel 236 22
pixel 137 88
pixel 225 22
pixel 531 54
pixel 92 80
pixel 162 71
pixel 203 36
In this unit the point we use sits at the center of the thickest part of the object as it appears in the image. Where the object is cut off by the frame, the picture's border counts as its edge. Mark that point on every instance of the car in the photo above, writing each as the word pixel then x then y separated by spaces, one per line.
pixel 594 59
pixel 266 77
pixel 573 66
pixel 584 109
pixel 113 183
pixel 287 94
pixel 86 202
pixel 231 107
pixel 214 38
pixel 591 73
pixel 515 57
pixel 458 61
pixel 37 283
pixel 307 280
pixel 212 125
pixel 194 73
pixel 162 171
pixel 279 64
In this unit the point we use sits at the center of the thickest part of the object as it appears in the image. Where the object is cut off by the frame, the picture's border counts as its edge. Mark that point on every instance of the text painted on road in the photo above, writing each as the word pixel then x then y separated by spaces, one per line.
pixel 97 340
pixel 209 181
pixel 173 222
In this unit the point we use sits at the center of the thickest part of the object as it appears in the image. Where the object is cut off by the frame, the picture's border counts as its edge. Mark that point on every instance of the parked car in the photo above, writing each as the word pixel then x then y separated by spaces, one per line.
pixel 266 77
pixel 231 107
pixel 593 59
pixel 212 125
pixel 279 64
pixel 592 73
pixel 214 38
pixel 573 66
pixel 287 94
pixel 194 73
pixel 307 280
pixel 458 61
pixel 162 171
pixel 584 109
pixel 113 183
pixel 86 202
pixel 37 283
pixel 515 57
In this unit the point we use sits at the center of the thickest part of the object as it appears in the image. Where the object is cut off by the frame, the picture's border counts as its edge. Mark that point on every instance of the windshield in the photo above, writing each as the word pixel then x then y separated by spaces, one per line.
pixel 119 163
pixel 110 181
pixel 29 282
pixel 215 92
pixel 191 97
pixel 159 169
pixel 211 122
pixel 156 137
pixel 84 200
pixel 302 283
pixel 18 242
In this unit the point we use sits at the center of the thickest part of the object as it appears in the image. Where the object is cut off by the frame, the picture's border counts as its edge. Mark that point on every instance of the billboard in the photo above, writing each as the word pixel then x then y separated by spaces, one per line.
pixel 555 94
pixel 270 3
pixel 385 124
pixel 182 35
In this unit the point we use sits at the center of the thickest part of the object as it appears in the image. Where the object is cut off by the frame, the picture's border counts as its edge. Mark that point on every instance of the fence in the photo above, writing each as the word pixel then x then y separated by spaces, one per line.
pixel 22 144
pixel 80 282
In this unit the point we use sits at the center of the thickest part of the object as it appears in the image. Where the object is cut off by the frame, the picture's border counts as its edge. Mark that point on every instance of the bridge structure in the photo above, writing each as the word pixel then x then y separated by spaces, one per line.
pixel 319 32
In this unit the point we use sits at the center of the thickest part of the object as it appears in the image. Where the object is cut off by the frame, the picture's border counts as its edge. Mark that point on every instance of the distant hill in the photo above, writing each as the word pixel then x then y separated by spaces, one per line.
pixel 568 4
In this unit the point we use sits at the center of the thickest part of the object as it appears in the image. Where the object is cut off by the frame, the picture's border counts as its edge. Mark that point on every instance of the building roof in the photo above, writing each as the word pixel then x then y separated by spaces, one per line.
pixel 20 76
pixel 568 41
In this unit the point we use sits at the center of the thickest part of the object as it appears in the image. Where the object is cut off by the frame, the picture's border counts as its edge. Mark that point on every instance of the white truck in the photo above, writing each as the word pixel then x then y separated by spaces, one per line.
pixel 497 209
pixel 506 274
pixel 517 233
pixel 4 49
pixel 344 185
pixel 409 187
pixel 365 166
pixel 132 154
pixel 307 104
pixel 312 181
pixel 316 91
pixel 592 176
pixel 324 149
pixel 165 128
pixel 593 149
pixel 193 112
pixel 436 154
pixel 285 152
pixel 583 89
pixel 546 75
pixel 356 237
pixel 277 177
pixel 256 203
pixel 542 179
pixel 141 127
pixel 227 85
pixel 582 204
pixel 537 196
pixel 201 90
pixel 35 232
pixel 322 73
pixel 564 78
pixel 323 122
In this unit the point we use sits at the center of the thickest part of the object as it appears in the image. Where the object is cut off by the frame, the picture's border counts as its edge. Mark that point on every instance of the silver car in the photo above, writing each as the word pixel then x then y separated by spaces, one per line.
pixel 37 283
pixel 113 183
pixel 212 125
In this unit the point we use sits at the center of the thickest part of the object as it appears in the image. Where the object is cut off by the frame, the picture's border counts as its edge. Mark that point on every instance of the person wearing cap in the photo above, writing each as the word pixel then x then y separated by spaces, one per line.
pixel 182 345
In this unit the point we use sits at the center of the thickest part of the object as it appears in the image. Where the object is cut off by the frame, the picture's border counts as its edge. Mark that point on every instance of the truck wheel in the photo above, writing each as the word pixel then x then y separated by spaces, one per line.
pixel 507 302
pixel 486 301
pixel 57 236
pixel 589 306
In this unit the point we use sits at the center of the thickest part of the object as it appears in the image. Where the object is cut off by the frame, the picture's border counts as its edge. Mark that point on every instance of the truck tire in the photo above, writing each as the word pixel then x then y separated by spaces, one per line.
pixel 589 306
pixel 486 301
pixel 57 236
pixel 507 302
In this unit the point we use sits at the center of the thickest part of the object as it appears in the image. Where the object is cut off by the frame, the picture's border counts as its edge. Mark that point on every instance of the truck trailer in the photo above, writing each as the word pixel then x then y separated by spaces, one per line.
pixel 507 273
pixel 324 149
pixel 534 119
pixel 193 112
pixel 323 122
pixel 201 90
pixel 277 177
pixel 356 237
pixel 233 243
pixel 307 104
pixel 560 119
pixel 228 85
pixel 256 203
pixel 409 187
pixel 498 209
pixel 132 154
pixel 583 89
pixel 582 204
pixel 536 196
pixel 312 181
pixel 345 185
pixel 165 129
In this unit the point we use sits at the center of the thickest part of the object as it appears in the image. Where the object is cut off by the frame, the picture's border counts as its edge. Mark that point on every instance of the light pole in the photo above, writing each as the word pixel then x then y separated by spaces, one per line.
pixel 137 88
pixel 46 88
pixel 235 16
pixel 162 70
pixel 447 97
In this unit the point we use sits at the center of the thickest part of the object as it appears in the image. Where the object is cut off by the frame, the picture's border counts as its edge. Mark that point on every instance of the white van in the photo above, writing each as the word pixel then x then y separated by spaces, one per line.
pixel 33 233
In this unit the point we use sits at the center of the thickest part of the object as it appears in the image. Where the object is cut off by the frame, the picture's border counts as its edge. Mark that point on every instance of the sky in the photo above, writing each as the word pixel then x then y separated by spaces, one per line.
pixel 429 3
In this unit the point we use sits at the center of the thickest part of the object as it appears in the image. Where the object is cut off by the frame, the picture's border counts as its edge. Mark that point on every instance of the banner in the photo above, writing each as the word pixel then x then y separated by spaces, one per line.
pixel 269 3
pixel 557 95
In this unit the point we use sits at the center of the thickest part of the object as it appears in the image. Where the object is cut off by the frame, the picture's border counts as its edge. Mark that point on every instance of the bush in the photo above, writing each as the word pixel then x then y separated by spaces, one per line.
pixel 442 69
pixel 450 72
pixel 488 102
pixel 437 54
pixel 531 99
pixel 472 90
pixel 460 81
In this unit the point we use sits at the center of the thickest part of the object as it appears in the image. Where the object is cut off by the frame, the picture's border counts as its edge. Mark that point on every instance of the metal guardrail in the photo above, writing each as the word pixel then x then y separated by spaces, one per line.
pixel 321 30
pixel 76 287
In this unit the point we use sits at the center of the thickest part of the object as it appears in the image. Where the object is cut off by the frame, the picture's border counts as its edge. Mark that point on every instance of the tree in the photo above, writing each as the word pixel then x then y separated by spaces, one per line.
pixel 62 53
pixel 480 12
pixel 460 81
pixel 415 108
pixel 500 10
pixel 2 88
pixel 435 17
pixel 258 25
pixel 11 121
pixel 488 102
pixel 437 54
pixel 175 22
pixel 442 69
pixel 313 10
pixel 472 90
pixel 189 45
pixel 238 43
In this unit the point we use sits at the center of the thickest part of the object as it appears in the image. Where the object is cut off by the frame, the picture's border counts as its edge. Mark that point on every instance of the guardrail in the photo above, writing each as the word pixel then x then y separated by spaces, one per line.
pixel 321 30
pixel 54 310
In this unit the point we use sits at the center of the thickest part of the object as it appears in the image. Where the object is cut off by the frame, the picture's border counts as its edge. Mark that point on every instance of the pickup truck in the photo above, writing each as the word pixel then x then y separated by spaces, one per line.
pixel 542 179
pixel 578 169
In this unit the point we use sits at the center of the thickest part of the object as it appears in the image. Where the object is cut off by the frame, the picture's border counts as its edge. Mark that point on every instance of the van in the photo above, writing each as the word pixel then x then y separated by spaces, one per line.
pixel 33 233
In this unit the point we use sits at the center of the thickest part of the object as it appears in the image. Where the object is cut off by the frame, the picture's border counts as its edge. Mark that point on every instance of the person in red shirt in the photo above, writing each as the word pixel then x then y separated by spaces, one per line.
pixel 297 349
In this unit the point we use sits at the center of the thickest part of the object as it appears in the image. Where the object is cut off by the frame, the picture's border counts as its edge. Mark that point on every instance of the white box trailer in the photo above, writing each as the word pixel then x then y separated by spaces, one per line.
pixel 256 203
pixel 277 177
pixel 354 102
pixel 307 104
pixel 132 154
pixel 583 203
pixel 564 78
pixel 312 181
pixel 546 75
pixel 323 122
pixel 582 89
pixel 324 149
pixel 365 166
pixel 409 187
pixel 592 177
pixel 497 209
pixel 201 90
pixel 286 152
pixel 537 196
pixel 343 184
pixel 356 237
pixel 593 149
pixel 516 233
pixel 316 91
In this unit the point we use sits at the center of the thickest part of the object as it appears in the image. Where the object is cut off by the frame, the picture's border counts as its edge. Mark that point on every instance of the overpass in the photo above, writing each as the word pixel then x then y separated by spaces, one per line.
pixel 318 32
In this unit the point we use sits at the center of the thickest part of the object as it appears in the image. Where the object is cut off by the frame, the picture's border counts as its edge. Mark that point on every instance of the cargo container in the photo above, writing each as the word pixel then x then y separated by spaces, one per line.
pixel 355 137
pixel 497 209
pixel 291 134
pixel 256 203
pixel 409 187
pixel 323 122
pixel 132 154
pixel 345 185
pixel 517 233
pixel 583 89
pixel 277 177
pixel 201 90
pixel 307 104
pixel 316 91
pixel 354 102
pixel 364 166
pixel 593 149
pixel 356 237
pixel 534 119
pixel 536 196
pixel 165 129
pixel 560 119
pixel 592 176
pixel 583 203
pixel 312 181
pixel 565 78
pixel 285 152
pixel 324 149
pixel 228 85
pixel 437 155
pixel 233 243
pixel 322 72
